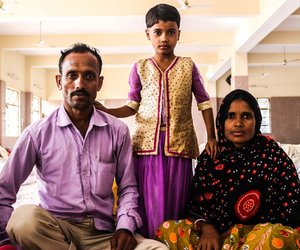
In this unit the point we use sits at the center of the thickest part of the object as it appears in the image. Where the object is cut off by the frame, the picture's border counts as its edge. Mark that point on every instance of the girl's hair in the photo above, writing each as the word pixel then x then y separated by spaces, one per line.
pixel 79 48
pixel 164 12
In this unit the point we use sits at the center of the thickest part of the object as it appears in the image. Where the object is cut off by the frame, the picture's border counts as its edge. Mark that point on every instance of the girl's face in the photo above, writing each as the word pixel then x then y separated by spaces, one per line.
pixel 163 36
pixel 240 123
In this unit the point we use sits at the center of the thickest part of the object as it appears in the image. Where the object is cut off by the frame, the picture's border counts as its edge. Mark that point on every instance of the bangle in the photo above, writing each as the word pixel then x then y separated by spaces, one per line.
pixel 203 220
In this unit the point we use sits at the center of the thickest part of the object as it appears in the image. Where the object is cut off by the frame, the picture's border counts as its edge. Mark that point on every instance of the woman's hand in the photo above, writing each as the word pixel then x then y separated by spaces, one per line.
pixel 209 238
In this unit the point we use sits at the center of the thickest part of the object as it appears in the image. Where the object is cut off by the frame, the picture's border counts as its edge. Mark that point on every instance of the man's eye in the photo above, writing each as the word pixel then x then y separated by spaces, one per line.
pixel 89 76
pixel 71 75
pixel 171 33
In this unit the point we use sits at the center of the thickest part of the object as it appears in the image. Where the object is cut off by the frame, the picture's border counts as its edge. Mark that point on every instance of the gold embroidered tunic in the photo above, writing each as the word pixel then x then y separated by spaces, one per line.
pixel 166 100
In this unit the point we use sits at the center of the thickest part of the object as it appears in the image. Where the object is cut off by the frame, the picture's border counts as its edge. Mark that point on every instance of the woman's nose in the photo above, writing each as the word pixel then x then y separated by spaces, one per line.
pixel 238 123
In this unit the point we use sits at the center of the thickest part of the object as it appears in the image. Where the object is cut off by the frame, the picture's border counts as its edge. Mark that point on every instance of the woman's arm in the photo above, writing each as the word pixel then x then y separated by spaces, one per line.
pixel 209 238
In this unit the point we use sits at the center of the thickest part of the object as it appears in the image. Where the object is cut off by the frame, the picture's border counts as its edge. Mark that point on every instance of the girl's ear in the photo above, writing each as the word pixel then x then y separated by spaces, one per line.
pixel 147 33
pixel 58 81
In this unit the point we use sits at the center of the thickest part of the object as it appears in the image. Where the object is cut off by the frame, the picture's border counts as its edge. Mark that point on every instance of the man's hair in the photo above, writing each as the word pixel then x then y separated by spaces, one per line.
pixel 163 12
pixel 79 48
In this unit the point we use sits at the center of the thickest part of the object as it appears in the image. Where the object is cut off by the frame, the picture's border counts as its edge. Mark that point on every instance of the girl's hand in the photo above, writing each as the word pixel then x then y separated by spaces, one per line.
pixel 212 148
pixel 99 106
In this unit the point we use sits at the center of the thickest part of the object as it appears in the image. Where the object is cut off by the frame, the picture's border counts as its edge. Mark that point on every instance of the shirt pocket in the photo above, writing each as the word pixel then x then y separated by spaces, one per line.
pixel 103 174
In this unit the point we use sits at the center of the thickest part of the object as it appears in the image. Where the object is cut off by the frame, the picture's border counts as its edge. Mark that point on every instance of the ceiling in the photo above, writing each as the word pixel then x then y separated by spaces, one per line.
pixel 212 30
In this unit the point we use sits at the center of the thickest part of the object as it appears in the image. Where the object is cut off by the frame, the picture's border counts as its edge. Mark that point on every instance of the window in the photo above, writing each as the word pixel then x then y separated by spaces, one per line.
pixel 12 112
pixel 35 109
pixel 264 104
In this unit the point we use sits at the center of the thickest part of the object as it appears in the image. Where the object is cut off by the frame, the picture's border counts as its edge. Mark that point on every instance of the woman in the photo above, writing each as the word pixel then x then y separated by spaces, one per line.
pixel 253 182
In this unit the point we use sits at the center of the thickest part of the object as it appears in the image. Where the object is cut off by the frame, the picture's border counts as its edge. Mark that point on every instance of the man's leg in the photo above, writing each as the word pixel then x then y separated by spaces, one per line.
pixel 31 227
pixel 148 244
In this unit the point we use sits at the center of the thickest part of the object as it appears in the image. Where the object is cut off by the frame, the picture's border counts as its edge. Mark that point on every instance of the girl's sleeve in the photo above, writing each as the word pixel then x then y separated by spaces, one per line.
pixel 202 97
pixel 134 95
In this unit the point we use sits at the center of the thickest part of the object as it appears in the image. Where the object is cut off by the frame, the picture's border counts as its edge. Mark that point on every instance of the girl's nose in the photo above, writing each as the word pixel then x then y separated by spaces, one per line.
pixel 163 38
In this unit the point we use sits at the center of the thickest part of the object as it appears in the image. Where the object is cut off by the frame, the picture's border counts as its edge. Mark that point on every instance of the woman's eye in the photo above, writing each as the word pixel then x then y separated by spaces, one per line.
pixel 230 116
pixel 247 116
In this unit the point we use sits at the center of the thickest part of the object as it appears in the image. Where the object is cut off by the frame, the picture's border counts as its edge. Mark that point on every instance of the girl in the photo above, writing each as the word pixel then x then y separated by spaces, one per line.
pixel 164 139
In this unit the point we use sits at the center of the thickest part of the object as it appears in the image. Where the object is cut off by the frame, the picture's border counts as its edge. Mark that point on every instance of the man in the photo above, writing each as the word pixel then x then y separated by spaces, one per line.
pixel 77 151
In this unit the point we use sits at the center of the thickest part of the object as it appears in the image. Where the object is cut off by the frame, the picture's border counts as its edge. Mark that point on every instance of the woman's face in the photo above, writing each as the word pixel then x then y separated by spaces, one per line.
pixel 240 123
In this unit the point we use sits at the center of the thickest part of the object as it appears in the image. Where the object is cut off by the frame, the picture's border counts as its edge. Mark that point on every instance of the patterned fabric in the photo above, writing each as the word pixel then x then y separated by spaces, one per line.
pixel 181 235
pixel 166 98
pixel 262 236
pixel 254 184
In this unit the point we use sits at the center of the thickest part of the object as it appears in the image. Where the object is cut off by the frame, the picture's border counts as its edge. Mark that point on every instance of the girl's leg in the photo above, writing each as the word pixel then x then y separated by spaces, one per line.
pixel 164 186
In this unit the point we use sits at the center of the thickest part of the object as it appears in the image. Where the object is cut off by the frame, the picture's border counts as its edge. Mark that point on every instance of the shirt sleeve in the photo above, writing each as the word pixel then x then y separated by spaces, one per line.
pixel 127 215
pixel 201 96
pixel 134 95
pixel 16 170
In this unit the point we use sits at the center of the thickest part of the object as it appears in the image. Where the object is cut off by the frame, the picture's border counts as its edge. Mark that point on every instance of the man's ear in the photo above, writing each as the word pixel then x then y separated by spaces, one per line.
pixel 100 82
pixel 147 33
pixel 58 81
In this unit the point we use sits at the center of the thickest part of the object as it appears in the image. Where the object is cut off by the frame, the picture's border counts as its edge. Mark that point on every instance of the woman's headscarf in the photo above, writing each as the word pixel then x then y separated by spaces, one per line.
pixel 237 94
pixel 248 185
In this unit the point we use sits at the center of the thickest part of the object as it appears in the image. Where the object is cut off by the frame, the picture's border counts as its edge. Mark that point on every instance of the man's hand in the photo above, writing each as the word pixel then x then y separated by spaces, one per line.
pixel 123 240
pixel 212 148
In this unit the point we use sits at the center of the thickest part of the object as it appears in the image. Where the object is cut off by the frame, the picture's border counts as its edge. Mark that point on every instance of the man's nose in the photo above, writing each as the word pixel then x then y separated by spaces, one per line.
pixel 79 82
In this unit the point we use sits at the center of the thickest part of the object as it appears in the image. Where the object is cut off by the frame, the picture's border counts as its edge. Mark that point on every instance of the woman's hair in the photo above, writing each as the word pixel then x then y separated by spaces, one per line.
pixel 164 12
pixel 79 48
pixel 238 94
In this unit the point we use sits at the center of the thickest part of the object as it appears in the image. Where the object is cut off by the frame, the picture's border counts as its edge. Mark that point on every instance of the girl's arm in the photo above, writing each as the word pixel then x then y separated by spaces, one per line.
pixel 121 112
pixel 212 144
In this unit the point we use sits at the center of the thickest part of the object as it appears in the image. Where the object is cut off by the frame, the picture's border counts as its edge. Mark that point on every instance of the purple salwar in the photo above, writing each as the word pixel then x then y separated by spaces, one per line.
pixel 164 187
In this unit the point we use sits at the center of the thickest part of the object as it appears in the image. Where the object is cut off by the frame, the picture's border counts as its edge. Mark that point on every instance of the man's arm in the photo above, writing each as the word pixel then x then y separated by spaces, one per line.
pixel 128 218
pixel 16 170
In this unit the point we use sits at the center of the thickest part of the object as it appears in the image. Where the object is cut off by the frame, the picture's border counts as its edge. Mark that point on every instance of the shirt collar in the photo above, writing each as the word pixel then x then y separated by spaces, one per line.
pixel 63 118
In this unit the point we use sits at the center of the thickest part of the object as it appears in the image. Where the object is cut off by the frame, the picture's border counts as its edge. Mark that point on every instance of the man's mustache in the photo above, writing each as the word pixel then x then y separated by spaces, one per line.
pixel 80 92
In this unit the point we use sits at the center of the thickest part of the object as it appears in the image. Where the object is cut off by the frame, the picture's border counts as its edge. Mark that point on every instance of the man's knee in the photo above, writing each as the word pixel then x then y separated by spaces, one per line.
pixel 24 219
pixel 149 244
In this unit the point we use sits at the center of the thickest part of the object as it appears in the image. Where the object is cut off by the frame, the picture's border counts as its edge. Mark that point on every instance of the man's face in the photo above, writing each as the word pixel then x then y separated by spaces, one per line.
pixel 79 81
